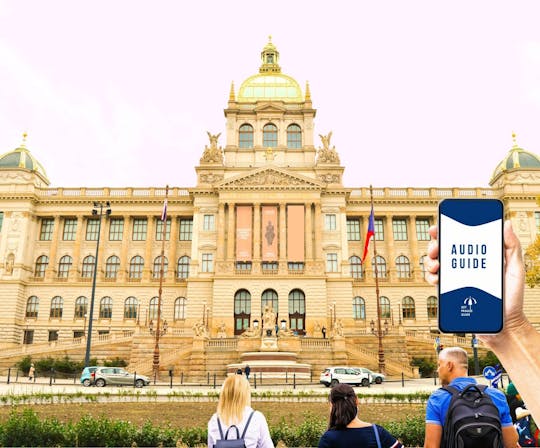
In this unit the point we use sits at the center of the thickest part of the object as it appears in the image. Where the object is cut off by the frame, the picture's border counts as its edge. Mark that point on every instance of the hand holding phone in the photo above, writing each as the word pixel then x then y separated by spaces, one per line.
pixel 471 265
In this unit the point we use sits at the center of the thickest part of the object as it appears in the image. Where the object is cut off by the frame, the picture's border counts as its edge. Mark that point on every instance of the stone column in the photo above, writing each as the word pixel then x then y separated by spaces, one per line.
pixel 257 232
pixel 173 242
pixel 389 246
pixel 414 255
pixel 124 262
pixel 283 234
pixel 221 232
pixel 150 236
pixel 53 262
pixel 318 232
pixel 309 232
pixel 77 262
pixel 231 232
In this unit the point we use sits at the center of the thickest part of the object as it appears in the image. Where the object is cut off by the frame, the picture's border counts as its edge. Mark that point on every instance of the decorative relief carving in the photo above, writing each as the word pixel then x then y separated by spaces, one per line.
pixel 269 177
pixel 210 178
pixel 327 154
pixel 330 178
pixel 16 177
pixel 212 154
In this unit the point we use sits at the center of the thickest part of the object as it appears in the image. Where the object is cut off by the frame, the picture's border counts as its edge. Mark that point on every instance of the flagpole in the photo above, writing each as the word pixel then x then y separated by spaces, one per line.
pixel 379 333
pixel 155 363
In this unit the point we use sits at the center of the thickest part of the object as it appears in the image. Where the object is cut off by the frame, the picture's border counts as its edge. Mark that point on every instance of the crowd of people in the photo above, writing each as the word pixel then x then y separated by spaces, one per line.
pixel 512 414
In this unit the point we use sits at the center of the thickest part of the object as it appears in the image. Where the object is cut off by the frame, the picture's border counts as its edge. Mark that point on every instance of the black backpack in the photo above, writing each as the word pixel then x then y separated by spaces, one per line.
pixel 238 442
pixel 472 420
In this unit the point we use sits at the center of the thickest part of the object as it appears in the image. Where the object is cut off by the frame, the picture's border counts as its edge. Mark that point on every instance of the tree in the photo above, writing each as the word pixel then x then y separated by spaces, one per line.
pixel 532 263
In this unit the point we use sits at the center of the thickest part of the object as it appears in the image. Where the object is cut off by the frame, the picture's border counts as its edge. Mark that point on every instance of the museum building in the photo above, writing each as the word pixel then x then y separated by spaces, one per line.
pixel 268 225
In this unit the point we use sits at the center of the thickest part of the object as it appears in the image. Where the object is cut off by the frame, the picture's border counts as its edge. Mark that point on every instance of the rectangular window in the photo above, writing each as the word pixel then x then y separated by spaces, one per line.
pixel 92 229
pixel 330 222
pixel 208 262
pixel 53 335
pixel 208 222
pixel 78 334
pixel 47 225
pixel 116 229
pixel 186 229
pixel 331 263
pixel 422 226
pixel 1 220
pixel 399 229
pixel 70 229
pixel 28 337
pixel 353 229
pixel 379 229
pixel 159 229
pixel 537 220
pixel 139 229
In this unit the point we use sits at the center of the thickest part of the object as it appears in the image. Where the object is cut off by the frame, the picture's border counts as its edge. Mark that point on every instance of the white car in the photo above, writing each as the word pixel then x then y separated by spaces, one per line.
pixel 343 374
pixel 376 377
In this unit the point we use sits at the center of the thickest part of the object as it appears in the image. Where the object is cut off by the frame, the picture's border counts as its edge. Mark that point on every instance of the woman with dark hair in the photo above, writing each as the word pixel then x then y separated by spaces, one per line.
pixel 346 430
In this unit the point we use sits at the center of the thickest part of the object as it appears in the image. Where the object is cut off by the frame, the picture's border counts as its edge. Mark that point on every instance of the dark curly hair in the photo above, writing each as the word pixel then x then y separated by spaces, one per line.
pixel 344 407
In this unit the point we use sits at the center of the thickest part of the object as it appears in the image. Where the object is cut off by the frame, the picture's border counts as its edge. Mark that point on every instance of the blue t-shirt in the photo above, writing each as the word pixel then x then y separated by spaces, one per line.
pixel 364 437
pixel 439 401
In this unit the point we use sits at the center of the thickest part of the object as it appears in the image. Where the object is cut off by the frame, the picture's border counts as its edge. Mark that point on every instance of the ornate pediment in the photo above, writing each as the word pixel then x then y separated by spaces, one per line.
pixel 270 107
pixel 271 178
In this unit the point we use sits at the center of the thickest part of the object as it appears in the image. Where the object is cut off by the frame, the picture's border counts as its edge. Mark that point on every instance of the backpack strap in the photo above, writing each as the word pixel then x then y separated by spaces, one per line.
pixel 220 429
pixel 376 431
pixel 247 424
pixel 237 432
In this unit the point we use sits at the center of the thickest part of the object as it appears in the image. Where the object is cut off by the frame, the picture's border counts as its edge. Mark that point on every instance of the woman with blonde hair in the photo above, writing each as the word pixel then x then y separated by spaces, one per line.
pixel 346 430
pixel 235 416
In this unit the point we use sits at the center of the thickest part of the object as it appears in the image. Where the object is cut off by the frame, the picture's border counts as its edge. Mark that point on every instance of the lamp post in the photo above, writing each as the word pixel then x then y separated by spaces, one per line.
pixel 474 344
pixel 99 209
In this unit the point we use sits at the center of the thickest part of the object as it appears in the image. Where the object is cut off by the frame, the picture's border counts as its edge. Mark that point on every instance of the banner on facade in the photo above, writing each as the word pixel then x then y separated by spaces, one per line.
pixel 295 233
pixel 243 232
pixel 269 230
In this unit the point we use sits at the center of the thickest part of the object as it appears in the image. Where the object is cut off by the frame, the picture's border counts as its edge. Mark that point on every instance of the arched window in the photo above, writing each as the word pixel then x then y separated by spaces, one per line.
pixel 112 265
pixel 41 266
pixel 297 311
pixel 64 265
pixel 422 267
pixel 294 136
pixel 403 267
pixel 269 297
pixel 105 308
pixel 157 267
pixel 180 308
pixel 407 307
pixel 385 307
pixel 81 307
pixel 359 308
pixel 57 307
pixel 136 267
pixel 87 269
pixel 32 306
pixel 381 266
pixel 130 308
pixel 183 267
pixel 245 136
pixel 270 135
pixel 432 307
pixel 153 308
pixel 356 266
pixel 242 311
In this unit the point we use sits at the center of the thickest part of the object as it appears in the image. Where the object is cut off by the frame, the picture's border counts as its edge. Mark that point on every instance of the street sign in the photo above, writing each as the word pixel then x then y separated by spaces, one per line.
pixel 489 372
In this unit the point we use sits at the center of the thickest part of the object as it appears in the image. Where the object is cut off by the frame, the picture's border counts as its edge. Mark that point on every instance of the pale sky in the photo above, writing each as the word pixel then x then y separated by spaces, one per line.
pixel 417 93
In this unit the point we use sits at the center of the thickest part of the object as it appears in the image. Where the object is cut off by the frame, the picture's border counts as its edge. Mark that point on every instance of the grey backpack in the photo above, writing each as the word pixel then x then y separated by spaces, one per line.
pixel 237 442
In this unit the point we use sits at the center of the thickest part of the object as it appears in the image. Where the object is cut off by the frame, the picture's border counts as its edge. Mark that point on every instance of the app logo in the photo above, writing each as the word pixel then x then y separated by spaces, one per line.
pixel 467 307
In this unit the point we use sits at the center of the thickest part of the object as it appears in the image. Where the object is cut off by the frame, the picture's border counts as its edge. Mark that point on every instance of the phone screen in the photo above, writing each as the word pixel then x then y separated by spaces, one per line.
pixel 471 265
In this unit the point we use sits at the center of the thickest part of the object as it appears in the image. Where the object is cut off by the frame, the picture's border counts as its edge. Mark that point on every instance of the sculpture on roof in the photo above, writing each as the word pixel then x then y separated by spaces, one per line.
pixel 327 154
pixel 212 154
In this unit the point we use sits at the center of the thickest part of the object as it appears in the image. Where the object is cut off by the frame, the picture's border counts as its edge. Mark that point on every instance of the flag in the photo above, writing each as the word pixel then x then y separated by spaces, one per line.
pixel 164 212
pixel 370 233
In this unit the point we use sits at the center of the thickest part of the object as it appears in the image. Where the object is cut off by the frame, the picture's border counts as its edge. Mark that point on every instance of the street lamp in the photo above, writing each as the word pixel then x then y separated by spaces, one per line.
pixel 474 344
pixel 161 332
pixel 99 209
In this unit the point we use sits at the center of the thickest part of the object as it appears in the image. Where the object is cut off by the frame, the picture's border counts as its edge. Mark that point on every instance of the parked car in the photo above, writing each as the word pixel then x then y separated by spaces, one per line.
pixel 376 377
pixel 117 376
pixel 342 374
pixel 87 376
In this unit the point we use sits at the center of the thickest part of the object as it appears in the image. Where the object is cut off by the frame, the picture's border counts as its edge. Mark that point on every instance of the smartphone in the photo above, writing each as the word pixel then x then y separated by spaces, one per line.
pixel 471 261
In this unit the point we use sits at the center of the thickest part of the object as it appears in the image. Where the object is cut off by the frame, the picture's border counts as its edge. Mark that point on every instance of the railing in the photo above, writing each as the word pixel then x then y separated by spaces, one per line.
pixel 396 365
pixel 315 344
pixel 112 192
pixel 445 339
pixel 435 193
pixel 218 344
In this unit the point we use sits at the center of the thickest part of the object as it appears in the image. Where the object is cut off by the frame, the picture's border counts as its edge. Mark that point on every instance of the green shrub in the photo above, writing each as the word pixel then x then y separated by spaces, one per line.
pixel 115 362
pixel 410 431
pixel 426 366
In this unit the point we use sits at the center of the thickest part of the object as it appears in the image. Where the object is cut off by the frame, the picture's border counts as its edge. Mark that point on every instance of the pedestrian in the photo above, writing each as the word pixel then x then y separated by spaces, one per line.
pixel 346 430
pixel 234 408
pixel 239 371
pixel 513 399
pixel 452 369
pixel 31 372
pixel 247 371
pixel 323 331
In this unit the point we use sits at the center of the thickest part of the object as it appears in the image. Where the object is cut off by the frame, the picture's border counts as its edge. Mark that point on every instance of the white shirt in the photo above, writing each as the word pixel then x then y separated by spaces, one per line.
pixel 257 434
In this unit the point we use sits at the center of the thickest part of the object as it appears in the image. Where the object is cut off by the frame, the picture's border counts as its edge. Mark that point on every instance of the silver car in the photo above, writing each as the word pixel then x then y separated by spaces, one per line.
pixel 332 376
pixel 117 376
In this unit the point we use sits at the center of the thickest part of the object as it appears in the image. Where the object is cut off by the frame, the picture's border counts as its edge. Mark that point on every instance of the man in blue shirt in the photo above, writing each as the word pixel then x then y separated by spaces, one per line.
pixel 452 369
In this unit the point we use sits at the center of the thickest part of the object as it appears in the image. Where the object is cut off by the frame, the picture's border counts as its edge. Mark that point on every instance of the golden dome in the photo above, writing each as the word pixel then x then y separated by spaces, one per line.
pixel 517 158
pixel 22 158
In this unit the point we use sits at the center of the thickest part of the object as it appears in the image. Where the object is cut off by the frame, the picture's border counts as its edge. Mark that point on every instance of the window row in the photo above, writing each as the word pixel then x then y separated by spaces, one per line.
pixel 408 308
pixel 139 228
pixel 400 230
pixel 402 263
pixel 112 266
pixel 131 308
pixel 270 136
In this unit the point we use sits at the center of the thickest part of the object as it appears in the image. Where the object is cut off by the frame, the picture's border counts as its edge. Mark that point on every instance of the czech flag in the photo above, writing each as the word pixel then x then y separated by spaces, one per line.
pixel 164 212
pixel 370 233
